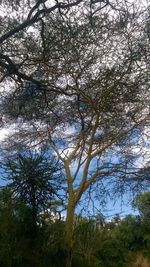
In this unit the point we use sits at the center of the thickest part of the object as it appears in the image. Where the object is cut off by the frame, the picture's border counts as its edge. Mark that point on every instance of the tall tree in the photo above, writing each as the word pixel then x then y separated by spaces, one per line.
pixel 83 89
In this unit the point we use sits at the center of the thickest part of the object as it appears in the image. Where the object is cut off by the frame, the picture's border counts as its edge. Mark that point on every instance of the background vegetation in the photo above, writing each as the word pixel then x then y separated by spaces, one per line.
pixel 97 241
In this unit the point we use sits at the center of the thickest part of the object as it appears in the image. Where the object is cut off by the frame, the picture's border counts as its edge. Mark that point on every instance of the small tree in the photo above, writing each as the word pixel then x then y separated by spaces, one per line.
pixel 34 181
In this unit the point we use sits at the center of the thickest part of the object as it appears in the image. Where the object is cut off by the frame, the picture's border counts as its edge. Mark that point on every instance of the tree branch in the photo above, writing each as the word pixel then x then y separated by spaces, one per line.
pixel 32 20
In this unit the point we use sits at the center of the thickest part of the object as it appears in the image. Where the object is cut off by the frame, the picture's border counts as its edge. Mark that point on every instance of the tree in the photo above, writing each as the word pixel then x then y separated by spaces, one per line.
pixel 34 179
pixel 18 24
pixel 31 193
pixel 8 229
pixel 142 203
pixel 87 92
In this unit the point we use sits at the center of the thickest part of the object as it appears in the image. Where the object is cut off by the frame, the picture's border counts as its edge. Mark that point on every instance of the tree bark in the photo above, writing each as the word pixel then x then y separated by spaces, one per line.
pixel 69 230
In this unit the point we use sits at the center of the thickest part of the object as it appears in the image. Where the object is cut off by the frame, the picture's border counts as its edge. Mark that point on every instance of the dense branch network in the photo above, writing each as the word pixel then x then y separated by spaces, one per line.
pixel 79 72
pixel 37 12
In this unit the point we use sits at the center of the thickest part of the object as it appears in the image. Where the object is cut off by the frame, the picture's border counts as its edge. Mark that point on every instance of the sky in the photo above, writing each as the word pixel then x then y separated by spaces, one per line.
pixel 122 206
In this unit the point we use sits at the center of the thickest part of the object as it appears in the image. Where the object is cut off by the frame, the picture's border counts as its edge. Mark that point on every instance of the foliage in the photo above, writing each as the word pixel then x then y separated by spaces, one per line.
pixel 18 246
pixel 34 179
pixel 30 194
pixel 142 203
pixel 112 244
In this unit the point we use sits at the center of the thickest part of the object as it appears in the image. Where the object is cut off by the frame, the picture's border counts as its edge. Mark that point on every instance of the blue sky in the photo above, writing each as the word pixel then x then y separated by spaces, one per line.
pixel 120 206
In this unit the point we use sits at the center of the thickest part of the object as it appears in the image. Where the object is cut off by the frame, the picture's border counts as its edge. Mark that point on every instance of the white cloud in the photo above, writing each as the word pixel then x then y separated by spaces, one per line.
pixel 4 134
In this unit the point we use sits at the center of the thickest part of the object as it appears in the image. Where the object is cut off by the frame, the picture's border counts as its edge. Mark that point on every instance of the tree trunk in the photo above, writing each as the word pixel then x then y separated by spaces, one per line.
pixel 69 231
